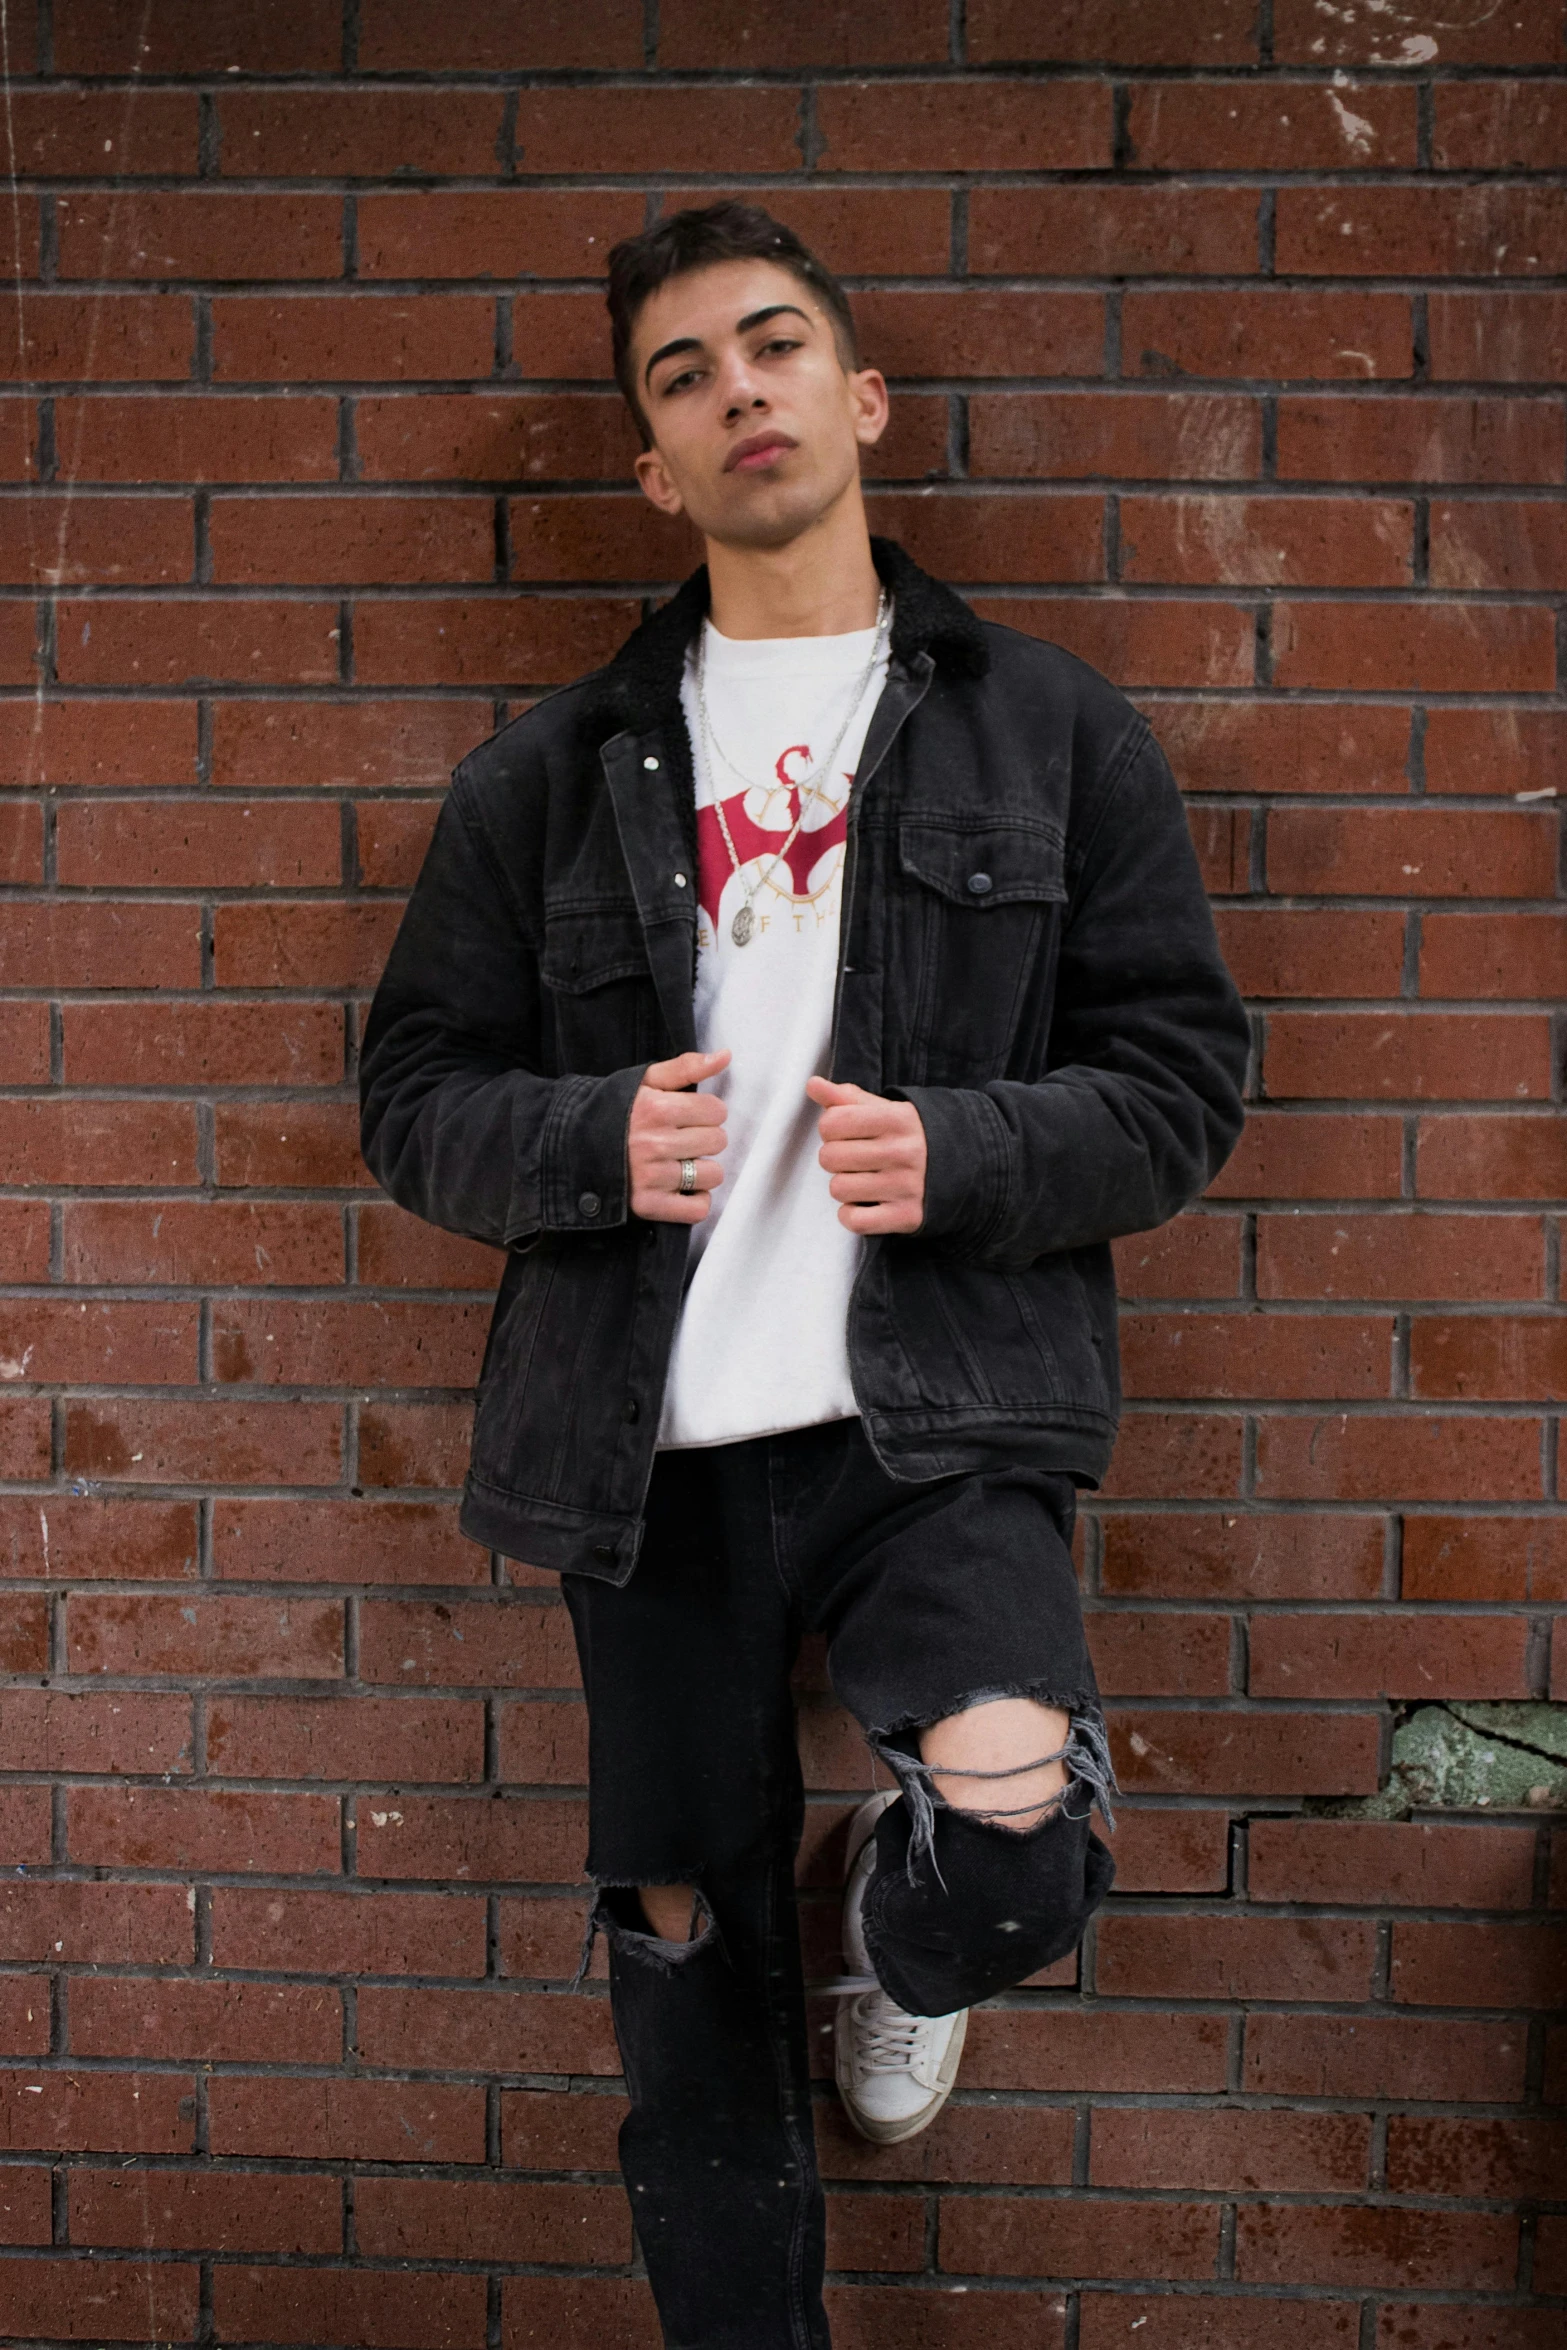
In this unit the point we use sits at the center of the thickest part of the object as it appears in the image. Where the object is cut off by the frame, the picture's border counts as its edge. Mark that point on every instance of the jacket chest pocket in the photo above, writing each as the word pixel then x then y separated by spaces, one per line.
pixel 983 909
pixel 599 987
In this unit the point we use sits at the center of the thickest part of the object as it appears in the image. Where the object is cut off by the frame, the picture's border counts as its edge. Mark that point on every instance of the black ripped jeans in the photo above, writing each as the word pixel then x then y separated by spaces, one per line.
pixel 933 1597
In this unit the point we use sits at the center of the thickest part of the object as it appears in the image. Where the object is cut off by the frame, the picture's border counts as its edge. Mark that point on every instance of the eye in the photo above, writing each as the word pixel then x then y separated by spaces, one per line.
pixel 678 383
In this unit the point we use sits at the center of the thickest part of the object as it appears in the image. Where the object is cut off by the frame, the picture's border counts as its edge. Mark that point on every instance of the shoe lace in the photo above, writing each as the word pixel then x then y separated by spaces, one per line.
pixel 886 2037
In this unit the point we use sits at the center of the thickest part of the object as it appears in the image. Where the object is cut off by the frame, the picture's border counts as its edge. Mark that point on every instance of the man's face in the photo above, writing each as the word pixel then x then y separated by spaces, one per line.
pixel 757 427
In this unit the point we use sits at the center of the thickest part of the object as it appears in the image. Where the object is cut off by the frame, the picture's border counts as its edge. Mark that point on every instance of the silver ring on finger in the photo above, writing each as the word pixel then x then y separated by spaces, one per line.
pixel 688 1175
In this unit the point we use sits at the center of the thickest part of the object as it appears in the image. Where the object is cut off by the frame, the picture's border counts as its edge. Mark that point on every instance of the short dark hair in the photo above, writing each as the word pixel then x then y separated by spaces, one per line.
pixel 695 239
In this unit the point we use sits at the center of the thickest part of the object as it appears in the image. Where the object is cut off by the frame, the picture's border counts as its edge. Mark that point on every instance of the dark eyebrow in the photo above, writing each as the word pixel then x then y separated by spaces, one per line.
pixel 742 326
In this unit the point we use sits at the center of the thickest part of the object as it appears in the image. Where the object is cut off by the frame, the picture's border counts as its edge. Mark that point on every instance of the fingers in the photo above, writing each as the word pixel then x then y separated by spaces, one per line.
pixel 886 1216
pixel 685 1069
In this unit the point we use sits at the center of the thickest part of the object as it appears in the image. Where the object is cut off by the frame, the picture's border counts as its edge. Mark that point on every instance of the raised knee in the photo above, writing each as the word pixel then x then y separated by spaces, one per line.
pixel 1002 1759
pixel 673 1912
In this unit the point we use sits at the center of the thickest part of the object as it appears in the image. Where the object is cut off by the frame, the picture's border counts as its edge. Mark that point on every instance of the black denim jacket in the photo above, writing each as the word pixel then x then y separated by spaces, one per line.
pixel 1026 953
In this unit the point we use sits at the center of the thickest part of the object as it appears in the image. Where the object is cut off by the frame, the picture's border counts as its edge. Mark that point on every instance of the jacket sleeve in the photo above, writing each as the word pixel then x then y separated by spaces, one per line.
pixel 1141 1103
pixel 457 1122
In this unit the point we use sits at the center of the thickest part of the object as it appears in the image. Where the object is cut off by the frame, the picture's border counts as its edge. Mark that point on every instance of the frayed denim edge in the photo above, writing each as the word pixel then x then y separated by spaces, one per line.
pixel 649 1950
pixel 1086 1755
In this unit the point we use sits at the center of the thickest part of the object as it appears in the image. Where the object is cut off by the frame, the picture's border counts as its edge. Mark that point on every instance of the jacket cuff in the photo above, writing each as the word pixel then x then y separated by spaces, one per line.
pixel 967 1164
pixel 583 1177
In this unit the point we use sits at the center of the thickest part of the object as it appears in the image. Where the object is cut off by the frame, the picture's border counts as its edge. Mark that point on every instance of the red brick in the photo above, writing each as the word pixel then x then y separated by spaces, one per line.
pixel 24 2205
pixel 1139 642
pixel 1170 1851
pixel 1391 648
pixel 545 1743
pixel 379 2309
pixel 1366 2246
pixel 295 36
pixel 1189 1355
pixel 97 1142
pixel 1112 232
pixel 206 234
pixel 885 2232
pixel 1160 1655
pixel 552 2129
pixel 1486 229
pixel 1414 1458
pixel 541 1941
pixel 391 838
pixel 24 1044
pixel 486 1839
pixel 161 844
pixel 1222 838
pixel 240 1443
pixel 211 1043
pixel 1215 1957
pixel 1523 1966
pixel 1268 542
pixel 1499 126
pixel 1407 852
pixel 735 128
pixel 1399 2057
pixel 1389 1656
pixel 493 2219
pixel 1489 1358
pixel 1429 2154
pixel 185 642
pixel 481 1644
pixel 539 436
pixel 344 133
pixel 1196 1256
pixel 1268 331
pixel 438 233
pixel 309 944
pixel 101 2301
pixel 351 1738
pixel 342 1542
pixel 560 334
pixel 893 232
pixel 99 338
pixel 1494 750
pixel 1426 1255
pixel 344 1342
pixel 79 134
pixel 980 331
pixel 489 640
pixel 1491 1158
pixel 988 2235
pixel 1180 1752
pixel 401 1251
pixel 1513 34
pixel 215 1242
pixel 397 744
pixel 1189 2321
pixel 209 2022
pixel 1175 1456
pixel 1484 1558
pixel 384 541
pixel 307 338
pixel 1498 338
pixel 25 1840
pixel 1168 1556
pixel 19 424
pixel 1421 438
pixel 291 1932
pixel 816 32
pixel 335 2120
pixel 1127 435
pixel 1379 1864
pixel 96 1924
pixel 1216 32
pixel 47 2111
pixel 414 1445
pixel 619 2316
pixel 120 542
pixel 56 1730
pixel 24 1245
pixel 1219 2150
pixel 218 1831
pixel 1506 543
pixel 24 1437
pixel 290 1142
pixel 184 2211
pixel 1514 955
pixel 592 536
pixel 957 126
pixel 225 1637
pixel 1049 537
pixel 1550 2261
pixel 487 2031
pixel 22 841
pixel 194 438
pixel 1443 2325
pixel 1431 1056
pixel 1288 1155
pixel 400 36
pixel 1271 126
pixel 98 742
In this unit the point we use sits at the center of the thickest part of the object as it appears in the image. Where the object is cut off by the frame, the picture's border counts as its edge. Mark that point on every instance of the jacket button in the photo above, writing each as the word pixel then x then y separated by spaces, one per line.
pixel 604 1550
pixel 630 1409
pixel 979 883
pixel 589 1202
pixel 651 765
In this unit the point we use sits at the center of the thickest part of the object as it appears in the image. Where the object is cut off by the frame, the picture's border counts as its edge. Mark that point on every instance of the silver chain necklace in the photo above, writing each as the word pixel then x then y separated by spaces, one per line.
pixel 743 927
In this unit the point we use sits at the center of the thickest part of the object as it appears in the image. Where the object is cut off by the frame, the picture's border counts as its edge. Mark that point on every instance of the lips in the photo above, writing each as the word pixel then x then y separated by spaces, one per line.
pixel 754 453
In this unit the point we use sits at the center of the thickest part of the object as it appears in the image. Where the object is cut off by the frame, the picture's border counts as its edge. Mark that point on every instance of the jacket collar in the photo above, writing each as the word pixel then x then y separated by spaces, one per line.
pixel 640 688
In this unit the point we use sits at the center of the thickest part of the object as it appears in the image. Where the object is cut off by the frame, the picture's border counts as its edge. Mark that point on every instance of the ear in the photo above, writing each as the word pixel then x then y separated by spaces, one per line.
pixel 653 475
pixel 868 393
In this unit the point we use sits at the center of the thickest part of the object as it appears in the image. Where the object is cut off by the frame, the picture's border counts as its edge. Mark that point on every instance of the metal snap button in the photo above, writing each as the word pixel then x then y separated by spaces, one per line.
pixel 604 1550
pixel 680 881
pixel 589 1202
pixel 650 764
pixel 631 1409
pixel 979 883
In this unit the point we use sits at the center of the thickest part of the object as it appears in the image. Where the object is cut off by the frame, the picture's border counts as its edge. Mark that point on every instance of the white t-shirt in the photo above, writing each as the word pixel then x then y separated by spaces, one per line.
pixel 762 1342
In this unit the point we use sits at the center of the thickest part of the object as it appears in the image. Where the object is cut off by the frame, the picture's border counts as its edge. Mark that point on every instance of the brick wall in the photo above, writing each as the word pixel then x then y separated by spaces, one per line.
pixel 1227 340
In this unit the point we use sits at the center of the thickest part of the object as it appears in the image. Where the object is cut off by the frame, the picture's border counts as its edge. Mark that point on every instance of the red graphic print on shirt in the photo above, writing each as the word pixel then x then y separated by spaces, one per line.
pixel 715 865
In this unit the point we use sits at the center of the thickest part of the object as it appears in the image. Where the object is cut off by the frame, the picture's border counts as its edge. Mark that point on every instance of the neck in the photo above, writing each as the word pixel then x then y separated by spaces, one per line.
pixel 822 583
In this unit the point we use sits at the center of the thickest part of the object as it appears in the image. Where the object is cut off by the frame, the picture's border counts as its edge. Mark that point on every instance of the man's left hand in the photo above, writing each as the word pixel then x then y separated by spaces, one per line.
pixel 874 1150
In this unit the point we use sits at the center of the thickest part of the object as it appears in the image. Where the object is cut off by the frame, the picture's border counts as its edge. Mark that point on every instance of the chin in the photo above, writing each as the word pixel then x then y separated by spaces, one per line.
pixel 771 516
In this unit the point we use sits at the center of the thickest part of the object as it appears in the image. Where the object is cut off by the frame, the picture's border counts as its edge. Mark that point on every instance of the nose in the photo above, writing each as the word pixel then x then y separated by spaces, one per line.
pixel 740 388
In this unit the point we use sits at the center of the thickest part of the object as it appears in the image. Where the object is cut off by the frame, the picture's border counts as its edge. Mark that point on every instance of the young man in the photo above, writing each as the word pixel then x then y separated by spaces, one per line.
pixel 804 1002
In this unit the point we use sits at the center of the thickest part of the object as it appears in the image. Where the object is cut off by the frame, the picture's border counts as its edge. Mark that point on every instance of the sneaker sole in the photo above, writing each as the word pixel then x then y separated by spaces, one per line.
pixel 894 2133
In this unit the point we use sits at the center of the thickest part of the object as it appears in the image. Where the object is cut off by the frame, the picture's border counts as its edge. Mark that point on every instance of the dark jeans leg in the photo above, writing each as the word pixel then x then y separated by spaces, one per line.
pixel 695 1779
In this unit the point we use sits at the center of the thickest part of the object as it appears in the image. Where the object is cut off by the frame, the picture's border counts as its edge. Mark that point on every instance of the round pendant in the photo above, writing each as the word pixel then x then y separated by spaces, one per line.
pixel 741 927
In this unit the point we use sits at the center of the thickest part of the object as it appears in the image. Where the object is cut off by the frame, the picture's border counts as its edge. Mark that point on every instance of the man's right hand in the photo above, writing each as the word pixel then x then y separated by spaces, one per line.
pixel 667 1125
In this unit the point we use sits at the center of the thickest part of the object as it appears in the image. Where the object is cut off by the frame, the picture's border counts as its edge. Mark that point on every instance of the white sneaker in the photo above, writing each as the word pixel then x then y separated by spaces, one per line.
pixel 895 2070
